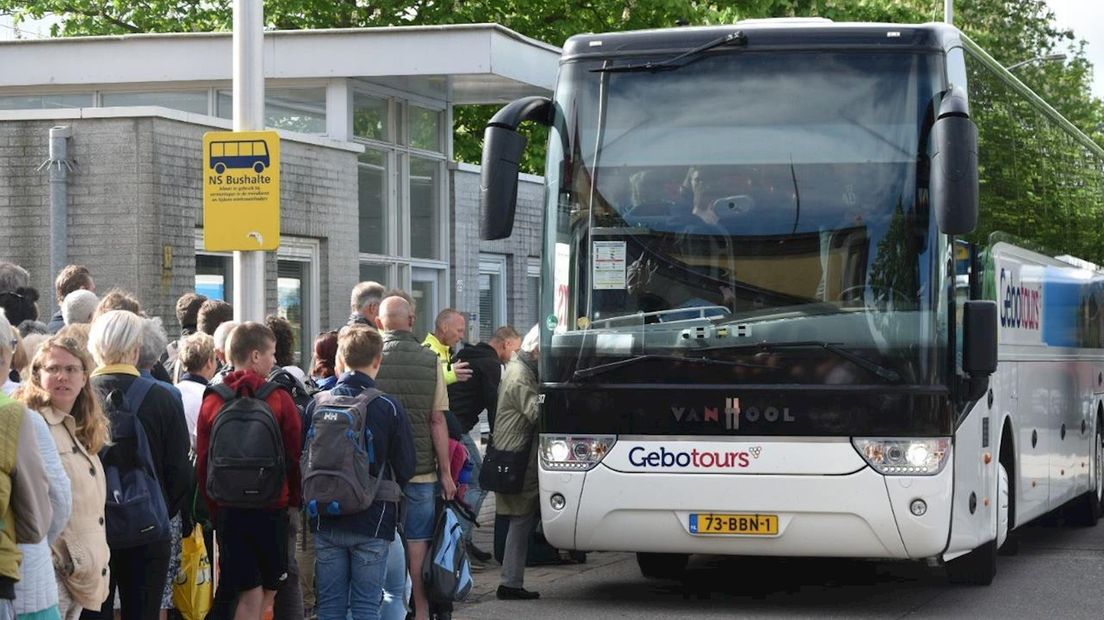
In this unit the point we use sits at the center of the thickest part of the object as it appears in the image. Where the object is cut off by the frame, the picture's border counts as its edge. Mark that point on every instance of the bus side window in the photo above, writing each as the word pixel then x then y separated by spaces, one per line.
pixel 246 149
pixel 231 149
pixel 260 148
pixel 217 149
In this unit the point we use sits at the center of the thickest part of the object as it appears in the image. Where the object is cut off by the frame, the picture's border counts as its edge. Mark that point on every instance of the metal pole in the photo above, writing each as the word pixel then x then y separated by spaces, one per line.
pixel 249 267
pixel 58 163
pixel 948 11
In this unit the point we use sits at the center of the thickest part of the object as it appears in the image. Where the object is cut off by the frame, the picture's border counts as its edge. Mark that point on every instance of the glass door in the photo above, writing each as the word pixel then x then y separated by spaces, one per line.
pixel 425 288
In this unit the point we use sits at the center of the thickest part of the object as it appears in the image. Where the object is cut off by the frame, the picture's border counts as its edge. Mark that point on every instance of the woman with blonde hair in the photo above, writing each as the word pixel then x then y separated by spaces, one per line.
pixel 139 572
pixel 58 387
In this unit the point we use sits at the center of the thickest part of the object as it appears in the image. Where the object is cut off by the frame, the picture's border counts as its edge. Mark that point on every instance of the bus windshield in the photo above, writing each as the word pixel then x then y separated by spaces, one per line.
pixel 749 217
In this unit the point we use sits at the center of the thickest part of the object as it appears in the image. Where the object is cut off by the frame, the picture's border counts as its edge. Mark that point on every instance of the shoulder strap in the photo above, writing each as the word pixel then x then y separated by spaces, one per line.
pixel 268 388
pixel 136 393
pixel 369 395
pixel 225 391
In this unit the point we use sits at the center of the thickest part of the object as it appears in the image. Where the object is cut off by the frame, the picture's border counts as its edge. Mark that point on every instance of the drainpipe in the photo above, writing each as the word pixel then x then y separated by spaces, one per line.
pixel 59 166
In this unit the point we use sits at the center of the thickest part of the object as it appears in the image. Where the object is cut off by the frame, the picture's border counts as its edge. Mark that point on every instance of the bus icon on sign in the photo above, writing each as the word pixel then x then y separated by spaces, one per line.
pixel 239 154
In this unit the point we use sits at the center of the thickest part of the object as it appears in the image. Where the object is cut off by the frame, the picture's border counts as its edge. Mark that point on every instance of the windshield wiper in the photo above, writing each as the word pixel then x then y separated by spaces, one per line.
pixel 683 59
pixel 856 359
pixel 586 373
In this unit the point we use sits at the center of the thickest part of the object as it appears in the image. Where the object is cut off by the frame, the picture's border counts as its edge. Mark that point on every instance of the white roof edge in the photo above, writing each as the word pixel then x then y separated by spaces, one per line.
pixel 167 114
pixel 498 28
pixel 485 51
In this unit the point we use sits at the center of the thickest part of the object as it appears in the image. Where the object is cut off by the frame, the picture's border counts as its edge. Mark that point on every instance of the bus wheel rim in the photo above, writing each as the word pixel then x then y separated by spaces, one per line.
pixel 1098 453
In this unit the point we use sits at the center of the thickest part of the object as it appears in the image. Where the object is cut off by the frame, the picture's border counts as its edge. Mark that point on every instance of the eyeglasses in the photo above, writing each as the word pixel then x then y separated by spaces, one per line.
pixel 68 370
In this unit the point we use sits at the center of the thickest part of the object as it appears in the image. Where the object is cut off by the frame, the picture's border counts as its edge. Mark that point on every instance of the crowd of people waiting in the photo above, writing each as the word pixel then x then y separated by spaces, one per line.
pixel 100 392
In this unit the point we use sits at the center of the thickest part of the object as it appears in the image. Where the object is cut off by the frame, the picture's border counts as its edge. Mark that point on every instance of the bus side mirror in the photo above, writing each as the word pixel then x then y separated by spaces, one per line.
pixel 503 148
pixel 954 167
pixel 979 338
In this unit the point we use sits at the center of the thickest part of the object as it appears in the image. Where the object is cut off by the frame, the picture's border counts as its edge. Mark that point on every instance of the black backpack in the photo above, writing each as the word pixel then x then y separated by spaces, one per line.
pixel 135 513
pixel 245 457
pixel 299 391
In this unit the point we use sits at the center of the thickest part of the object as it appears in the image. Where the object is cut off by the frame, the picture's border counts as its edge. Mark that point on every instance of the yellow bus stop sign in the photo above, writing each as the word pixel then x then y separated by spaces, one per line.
pixel 241 190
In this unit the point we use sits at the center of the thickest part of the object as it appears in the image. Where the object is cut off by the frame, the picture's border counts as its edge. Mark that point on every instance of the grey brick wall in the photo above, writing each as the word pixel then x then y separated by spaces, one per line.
pixel 524 243
pixel 138 189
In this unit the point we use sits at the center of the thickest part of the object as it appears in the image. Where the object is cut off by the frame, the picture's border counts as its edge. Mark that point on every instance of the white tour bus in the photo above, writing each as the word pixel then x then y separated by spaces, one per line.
pixel 789 303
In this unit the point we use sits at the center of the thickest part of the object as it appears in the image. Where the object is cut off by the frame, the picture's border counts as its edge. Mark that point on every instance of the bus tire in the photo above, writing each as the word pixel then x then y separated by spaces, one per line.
pixel 1085 510
pixel 976 568
pixel 662 565
pixel 220 168
pixel 258 167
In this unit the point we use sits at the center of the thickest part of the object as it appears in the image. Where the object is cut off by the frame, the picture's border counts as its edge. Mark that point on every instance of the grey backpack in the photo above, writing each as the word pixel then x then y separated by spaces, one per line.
pixel 337 456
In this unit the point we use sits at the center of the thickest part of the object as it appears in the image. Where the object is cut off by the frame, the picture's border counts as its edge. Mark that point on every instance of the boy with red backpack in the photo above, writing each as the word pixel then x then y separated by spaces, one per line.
pixel 248 443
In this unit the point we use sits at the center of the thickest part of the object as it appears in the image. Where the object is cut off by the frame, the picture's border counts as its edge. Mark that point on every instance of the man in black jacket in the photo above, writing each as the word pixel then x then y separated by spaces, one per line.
pixel 469 398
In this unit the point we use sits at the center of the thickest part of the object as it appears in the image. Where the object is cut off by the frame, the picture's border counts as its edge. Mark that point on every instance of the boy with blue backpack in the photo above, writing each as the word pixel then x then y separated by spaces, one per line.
pixel 359 453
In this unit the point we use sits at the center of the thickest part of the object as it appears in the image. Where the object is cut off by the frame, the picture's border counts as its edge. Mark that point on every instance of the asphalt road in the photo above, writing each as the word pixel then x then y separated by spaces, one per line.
pixel 1058 575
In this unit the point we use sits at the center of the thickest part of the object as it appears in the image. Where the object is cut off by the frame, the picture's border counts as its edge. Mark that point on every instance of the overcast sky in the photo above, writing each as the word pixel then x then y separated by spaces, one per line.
pixel 1086 18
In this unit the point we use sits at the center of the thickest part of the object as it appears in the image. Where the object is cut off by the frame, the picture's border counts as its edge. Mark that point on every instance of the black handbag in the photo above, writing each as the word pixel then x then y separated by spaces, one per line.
pixel 503 471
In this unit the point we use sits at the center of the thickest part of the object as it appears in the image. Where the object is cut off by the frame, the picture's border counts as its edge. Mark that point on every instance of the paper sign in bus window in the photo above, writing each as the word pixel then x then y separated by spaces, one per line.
pixel 608 262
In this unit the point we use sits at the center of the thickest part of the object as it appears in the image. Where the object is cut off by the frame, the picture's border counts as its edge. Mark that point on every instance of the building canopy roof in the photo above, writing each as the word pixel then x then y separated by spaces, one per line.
pixel 463 64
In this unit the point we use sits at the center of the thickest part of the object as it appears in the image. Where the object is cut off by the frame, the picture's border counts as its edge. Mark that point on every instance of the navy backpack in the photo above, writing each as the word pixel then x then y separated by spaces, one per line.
pixel 135 513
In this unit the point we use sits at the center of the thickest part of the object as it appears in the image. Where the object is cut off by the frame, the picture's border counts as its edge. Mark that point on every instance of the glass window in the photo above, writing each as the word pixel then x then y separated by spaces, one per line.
pixel 45 102
pixel 372 202
pixel 532 295
pixel 492 294
pixel 425 129
pixel 489 289
pixel 424 289
pixel 374 272
pixel 213 276
pixel 188 101
pixel 294 109
pixel 425 203
pixel 370 117
pixel 291 290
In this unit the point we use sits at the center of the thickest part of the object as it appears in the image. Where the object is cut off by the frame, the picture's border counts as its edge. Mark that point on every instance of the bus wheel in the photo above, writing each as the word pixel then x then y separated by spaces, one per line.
pixel 1003 500
pixel 220 168
pixel 976 568
pixel 1086 510
pixel 1008 542
pixel 662 565
pixel 258 167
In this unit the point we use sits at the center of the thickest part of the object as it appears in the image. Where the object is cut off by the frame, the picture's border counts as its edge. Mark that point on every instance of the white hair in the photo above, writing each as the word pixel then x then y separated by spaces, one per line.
pixel 222 335
pixel 78 306
pixel 154 342
pixel 531 343
pixel 7 334
pixel 115 336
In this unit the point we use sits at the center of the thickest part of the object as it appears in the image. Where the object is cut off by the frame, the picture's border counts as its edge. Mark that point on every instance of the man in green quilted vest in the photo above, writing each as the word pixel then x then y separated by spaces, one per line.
pixel 411 373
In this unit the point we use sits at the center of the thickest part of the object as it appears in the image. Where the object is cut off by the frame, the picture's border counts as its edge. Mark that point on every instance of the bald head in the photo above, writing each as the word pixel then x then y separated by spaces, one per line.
pixel 395 314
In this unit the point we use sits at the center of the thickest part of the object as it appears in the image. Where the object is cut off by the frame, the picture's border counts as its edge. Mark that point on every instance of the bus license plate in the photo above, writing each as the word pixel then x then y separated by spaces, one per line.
pixel 740 524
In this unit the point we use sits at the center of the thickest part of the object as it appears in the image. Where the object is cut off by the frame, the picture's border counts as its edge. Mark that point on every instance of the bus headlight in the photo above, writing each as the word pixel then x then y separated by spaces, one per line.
pixel 905 457
pixel 574 452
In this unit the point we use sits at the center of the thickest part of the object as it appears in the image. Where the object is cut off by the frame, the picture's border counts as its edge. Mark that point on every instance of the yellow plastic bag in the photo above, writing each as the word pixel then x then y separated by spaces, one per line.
pixel 193 591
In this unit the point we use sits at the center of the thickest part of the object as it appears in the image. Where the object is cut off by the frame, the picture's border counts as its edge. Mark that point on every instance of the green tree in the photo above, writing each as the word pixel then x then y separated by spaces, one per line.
pixel 1011 31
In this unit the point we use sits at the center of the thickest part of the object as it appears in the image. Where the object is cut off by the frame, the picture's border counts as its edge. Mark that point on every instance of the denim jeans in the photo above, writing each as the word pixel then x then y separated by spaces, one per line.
pixel 396 583
pixel 475 495
pixel 349 571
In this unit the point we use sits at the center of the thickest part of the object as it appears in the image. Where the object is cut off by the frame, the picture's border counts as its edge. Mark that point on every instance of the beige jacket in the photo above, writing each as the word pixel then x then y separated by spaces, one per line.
pixel 516 428
pixel 81 554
